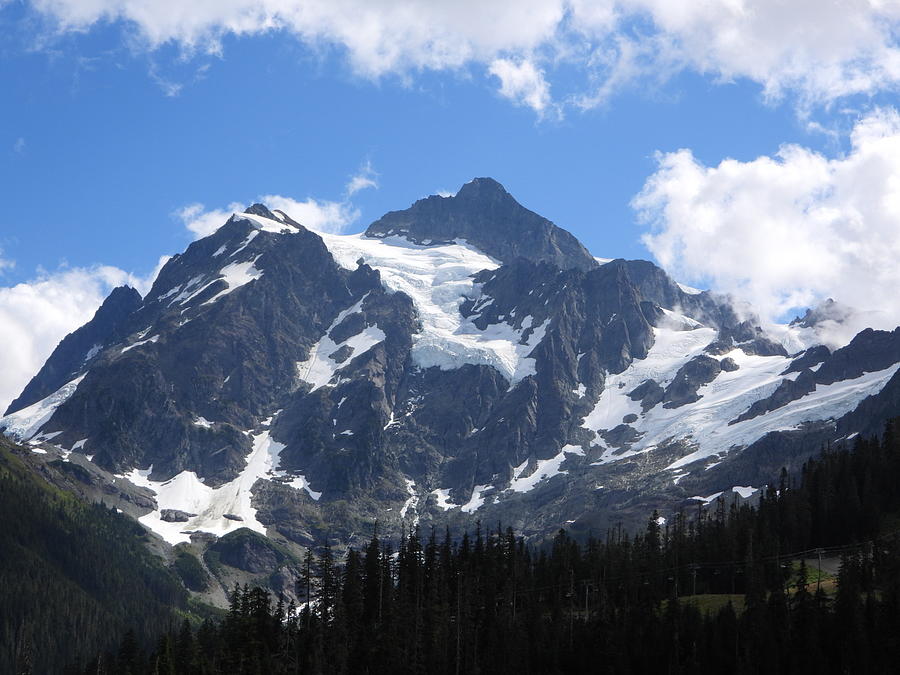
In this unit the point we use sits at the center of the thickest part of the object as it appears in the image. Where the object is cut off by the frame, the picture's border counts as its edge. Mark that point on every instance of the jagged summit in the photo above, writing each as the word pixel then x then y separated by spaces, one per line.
pixel 258 209
pixel 485 215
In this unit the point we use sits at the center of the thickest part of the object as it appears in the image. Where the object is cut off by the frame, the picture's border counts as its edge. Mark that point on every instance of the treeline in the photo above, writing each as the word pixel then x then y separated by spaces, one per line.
pixel 488 603
pixel 73 576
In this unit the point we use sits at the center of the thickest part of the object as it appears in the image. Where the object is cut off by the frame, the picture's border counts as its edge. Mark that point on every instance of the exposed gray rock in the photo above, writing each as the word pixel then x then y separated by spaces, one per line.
pixel 787 391
pixel 175 516
pixel 728 364
pixel 246 550
pixel 808 359
pixel 750 338
pixel 649 393
pixel 690 377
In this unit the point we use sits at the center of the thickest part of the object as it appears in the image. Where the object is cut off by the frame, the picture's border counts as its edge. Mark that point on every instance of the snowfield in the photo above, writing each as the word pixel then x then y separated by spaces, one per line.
pixel 439 279
pixel 704 423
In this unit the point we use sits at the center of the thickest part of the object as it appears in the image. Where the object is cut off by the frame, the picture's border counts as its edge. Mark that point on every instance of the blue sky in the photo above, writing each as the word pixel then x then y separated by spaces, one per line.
pixel 109 157
pixel 116 118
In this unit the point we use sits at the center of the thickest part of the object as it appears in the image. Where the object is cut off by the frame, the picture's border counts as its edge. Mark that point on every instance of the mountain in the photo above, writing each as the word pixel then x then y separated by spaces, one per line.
pixel 462 359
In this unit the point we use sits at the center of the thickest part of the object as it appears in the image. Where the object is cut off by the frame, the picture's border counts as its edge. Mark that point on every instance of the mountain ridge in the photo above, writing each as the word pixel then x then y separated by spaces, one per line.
pixel 298 383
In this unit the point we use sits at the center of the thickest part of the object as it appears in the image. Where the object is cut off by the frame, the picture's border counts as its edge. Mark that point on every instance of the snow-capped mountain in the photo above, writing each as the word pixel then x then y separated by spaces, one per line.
pixel 462 359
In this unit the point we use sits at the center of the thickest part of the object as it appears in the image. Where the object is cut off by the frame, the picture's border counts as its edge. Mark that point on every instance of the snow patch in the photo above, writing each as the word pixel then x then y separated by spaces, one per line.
pixel 236 275
pixel 319 368
pixel 155 338
pixel 265 224
pixel 412 502
pixel 91 353
pixel 27 422
pixel 545 468
pixel 690 290
pixel 477 499
pixel 707 500
pixel 186 492
pixel 442 497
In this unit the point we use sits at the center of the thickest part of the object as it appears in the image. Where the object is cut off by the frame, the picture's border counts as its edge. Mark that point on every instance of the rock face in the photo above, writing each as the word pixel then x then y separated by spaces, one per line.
pixel 463 359
pixel 485 215
pixel 690 377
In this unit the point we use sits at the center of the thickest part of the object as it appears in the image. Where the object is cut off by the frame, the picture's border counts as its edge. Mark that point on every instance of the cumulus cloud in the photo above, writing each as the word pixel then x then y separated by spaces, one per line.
pixel 787 231
pixel 318 215
pixel 820 51
pixel 35 315
pixel 522 83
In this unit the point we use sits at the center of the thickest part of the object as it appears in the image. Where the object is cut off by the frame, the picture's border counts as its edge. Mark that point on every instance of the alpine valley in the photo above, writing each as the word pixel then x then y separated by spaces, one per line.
pixel 461 360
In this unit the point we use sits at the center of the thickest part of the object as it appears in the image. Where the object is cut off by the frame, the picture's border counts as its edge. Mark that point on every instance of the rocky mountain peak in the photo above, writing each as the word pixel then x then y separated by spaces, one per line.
pixel 483 189
pixel 258 209
pixel 486 216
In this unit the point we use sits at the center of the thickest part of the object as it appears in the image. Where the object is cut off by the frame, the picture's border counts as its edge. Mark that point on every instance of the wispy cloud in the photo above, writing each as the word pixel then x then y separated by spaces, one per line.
pixel 19 145
pixel 5 263
pixel 365 178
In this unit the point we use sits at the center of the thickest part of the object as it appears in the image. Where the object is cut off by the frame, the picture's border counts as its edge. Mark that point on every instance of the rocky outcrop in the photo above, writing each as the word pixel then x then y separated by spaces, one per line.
pixel 809 358
pixel 690 377
pixel 649 393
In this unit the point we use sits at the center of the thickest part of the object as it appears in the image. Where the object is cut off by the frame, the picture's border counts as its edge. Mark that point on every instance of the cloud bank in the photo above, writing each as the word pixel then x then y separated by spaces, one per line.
pixel 817 51
pixel 787 231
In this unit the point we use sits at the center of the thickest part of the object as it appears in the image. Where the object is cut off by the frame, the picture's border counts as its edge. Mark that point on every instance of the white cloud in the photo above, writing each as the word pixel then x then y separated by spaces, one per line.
pixel 315 214
pixel 202 223
pixel 786 231
pixel 5 263
pixel 522 83
pixel 819 51
pixel 318 215
pixel 35 315
pixel 19 146
pixel 364 179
